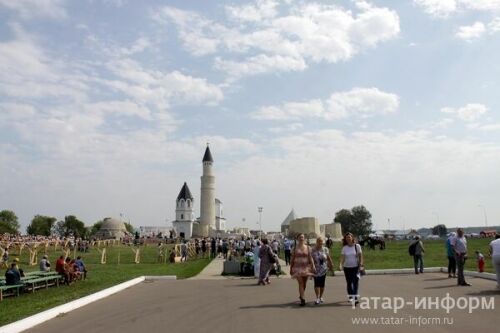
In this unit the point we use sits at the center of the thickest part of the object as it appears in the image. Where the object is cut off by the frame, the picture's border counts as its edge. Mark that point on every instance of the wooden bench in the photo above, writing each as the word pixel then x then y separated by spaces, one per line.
pixel 31 284
pixel 13 288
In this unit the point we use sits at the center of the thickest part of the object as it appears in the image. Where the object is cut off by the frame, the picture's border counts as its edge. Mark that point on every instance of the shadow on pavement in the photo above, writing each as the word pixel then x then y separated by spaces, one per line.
pixel 296 305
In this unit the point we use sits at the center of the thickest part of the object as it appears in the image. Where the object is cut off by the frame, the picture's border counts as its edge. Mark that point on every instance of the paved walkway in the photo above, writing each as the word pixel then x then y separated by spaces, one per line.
pixel 240 305
pixel 213 271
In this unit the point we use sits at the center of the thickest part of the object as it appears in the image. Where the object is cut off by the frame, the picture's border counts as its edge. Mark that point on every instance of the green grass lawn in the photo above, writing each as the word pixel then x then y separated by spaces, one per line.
pixel 396 255
pixel 99 277
pixel 120 268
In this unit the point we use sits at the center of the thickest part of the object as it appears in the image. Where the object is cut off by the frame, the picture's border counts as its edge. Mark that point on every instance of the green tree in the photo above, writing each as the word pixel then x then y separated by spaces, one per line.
pixel 362 220
pixel 96 227
pixel 130 228
pixel 41 225
pixel 356 221
pixel 440 230
pixel 344 217
pixel 8 222
pixel 70 226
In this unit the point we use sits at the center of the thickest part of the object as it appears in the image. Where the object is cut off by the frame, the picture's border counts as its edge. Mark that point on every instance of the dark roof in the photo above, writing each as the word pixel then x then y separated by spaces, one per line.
pixel 208 156
pixel 185 193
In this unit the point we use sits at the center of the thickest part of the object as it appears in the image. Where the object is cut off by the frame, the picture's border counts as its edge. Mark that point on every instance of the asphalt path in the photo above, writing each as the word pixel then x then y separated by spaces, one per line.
pixel 239 305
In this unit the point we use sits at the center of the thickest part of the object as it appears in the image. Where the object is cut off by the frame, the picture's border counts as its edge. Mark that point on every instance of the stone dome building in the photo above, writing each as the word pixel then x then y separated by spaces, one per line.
pixel 112 228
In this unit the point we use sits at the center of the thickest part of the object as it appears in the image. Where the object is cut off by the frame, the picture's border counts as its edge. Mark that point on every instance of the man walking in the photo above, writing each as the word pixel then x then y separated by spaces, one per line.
pixel 287 247
pixel 459 244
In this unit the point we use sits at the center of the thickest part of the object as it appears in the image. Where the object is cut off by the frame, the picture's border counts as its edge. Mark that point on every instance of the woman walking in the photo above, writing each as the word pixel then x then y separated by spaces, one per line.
pixel 351 260
pixel 267 259
pixel 323 263
pixel 302 266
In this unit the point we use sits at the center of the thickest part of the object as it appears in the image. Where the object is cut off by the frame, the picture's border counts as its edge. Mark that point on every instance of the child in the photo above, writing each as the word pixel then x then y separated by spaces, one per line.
pixel 480 261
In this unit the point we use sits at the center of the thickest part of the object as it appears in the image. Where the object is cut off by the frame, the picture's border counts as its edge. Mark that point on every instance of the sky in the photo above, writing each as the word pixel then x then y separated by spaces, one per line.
pixel 106 107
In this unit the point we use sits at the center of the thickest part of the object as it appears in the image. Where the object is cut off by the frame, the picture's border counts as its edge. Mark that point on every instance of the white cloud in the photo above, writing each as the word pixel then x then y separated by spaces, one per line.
pixel 490 127
pixel 471 32
pixel 28 71
pixel 485 5
pixel 261 10
pixel 293 110
pixel 161 89
pixel 361 101
pixel 364 102
pixel 138 46
pixel 469 112
pixel 260 64
pixel 308 33
pixel 194 30
pixel 288 128
pixel 443 8
pixel 437 8
pixel 28 9
pixel 371 168
pixel 494 25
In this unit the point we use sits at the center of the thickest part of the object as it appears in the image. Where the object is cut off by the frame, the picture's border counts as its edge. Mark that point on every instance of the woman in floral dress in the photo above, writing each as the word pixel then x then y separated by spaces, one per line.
pixel 323 263
pixel 302 266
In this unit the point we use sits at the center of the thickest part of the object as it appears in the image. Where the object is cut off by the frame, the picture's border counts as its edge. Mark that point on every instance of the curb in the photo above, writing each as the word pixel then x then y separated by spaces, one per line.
pixel 32 321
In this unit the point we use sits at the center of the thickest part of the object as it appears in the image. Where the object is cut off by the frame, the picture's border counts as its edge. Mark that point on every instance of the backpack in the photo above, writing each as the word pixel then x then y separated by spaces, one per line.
pixel 412 248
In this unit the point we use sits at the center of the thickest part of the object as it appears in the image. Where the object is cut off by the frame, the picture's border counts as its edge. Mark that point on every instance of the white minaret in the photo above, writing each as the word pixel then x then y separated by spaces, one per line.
pixel 207 199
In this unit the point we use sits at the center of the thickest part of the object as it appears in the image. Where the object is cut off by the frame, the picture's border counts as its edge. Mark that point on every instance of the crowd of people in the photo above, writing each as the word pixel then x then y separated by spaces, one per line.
pixel 306 262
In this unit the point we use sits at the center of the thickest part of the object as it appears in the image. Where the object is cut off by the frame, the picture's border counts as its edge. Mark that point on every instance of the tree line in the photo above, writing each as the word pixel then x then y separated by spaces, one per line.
pixel 42 225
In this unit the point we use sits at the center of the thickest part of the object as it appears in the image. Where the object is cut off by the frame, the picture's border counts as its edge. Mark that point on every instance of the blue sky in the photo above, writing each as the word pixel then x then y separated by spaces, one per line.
pixel 106 107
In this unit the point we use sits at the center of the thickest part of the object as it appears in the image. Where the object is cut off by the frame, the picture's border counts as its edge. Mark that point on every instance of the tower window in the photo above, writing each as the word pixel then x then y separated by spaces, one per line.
pixel 182 216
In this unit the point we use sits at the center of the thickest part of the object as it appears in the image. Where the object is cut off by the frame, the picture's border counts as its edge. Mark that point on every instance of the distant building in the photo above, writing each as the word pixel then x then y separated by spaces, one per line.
pixel 111 228
pixel 285 225
pixel 220 221
pixel 154 231
pixel 184 213
pixel 309 226
pixel 488 233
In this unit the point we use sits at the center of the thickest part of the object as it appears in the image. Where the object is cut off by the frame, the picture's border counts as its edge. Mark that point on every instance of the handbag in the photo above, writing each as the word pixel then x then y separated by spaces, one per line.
pixel 361 269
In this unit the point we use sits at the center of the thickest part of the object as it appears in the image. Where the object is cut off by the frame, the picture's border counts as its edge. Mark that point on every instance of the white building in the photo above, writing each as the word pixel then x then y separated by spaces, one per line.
pixel 184 213
pixel 220 221
pixel 153 231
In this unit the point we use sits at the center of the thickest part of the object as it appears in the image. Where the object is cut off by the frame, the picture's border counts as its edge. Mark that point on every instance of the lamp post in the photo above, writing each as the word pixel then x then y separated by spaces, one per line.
pixel 437 216
pixel 260 221
pixel 485 216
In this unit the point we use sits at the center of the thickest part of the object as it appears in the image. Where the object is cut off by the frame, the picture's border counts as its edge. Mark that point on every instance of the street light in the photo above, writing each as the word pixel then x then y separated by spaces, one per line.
pixel 437 216
pixel 485 216
pixel 260 221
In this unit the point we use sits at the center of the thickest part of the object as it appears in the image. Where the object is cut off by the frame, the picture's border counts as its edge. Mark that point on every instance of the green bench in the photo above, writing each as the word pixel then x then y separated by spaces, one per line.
pixel 10 290
pixel 33 283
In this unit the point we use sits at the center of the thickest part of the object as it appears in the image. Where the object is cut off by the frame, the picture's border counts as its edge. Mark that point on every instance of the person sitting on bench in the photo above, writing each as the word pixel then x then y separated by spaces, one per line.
pixel 12 276
pixel 45 264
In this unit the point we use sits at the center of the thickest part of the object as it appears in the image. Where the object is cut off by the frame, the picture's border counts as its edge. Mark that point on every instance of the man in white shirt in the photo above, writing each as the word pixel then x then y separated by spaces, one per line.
pixel 495 256
pixel 459 246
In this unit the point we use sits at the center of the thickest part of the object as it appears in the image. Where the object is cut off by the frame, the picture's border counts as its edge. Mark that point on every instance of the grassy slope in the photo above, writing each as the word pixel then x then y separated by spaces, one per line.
pixel 99 277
